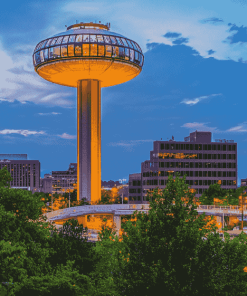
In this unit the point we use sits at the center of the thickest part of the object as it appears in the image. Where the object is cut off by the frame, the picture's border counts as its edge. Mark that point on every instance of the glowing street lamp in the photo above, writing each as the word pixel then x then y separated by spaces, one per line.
pixel 88 56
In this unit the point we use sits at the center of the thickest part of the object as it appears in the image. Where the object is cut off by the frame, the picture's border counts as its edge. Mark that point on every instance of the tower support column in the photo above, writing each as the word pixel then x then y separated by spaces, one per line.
pixel 89 140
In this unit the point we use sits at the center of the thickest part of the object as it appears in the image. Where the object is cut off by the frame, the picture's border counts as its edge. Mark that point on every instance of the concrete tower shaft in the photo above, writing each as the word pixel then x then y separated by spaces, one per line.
pixel 89 140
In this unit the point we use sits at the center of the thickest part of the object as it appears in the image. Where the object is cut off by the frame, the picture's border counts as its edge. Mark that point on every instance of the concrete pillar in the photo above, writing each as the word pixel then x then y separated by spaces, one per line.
pixel 89 140
pixel 117 223
pixel 220 220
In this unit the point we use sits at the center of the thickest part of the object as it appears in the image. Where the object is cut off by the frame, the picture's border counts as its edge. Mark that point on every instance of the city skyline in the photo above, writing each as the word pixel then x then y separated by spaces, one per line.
pixel 192 79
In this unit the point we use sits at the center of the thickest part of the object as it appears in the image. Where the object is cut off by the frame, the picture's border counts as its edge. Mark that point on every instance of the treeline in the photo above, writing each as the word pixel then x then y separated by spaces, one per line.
pixel 169 251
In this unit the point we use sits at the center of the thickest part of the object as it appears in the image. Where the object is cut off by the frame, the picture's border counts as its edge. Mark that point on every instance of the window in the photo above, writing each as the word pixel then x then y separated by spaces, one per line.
pixel 93 49
pixel 213 147
pixel 113 40
pixel 65 39
pixel 78 50
pixel 209 156
pixel 42 56
pixel 219 156
pixel 93 38
pixel 115 50
pixel 51 53
pixel 64 51
pixel 121 52
pixel 137 60
pixel 187 146
pixel 48 42
pixel 224 165
pixel 124 42
pixel 209 147
pixel 101 50
pixel 131 55
pixel 78 38
pixel 229 148
pixel 200 147
pixel 224 156
pixel 200 183
pixel 224 174
pixel 100 39
pixel 196 146
pixel 191 147
pixel 224 147
pixel 205 147
pixel 120 42
pixel 108 51
pixel 219 148
pixel 56 52
pixel 162 146
pixel 107 39
pixel 177 146
pixel 59 40
pixel 161 182
pixel 46 54
pixel 134 45
pixel 219 174
pixel 85 48
pixel 72 38
pixel 85 38
pixel 126 51
pixel 200 173
pixel 161 164
pixel 53 41
pixel 233 147
pixel 71 50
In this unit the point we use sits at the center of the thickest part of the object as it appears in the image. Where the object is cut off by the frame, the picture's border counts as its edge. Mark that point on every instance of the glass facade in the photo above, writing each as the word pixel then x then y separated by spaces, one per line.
pixel 88 45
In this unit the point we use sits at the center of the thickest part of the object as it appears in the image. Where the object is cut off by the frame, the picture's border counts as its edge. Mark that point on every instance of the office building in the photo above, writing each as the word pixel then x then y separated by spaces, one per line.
pixel 64 180
pixel 25 173
pixel 204 162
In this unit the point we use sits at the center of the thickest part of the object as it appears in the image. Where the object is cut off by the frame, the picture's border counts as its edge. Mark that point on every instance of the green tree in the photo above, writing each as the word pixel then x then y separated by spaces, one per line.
pixel 214 191
pixel 5 177
pixel 170 249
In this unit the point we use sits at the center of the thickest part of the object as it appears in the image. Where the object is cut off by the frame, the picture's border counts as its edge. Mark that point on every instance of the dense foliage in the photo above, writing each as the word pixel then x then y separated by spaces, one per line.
pixel 171 250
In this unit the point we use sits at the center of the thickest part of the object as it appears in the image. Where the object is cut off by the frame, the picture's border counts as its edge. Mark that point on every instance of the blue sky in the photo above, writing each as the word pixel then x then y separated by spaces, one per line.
pixel 194 78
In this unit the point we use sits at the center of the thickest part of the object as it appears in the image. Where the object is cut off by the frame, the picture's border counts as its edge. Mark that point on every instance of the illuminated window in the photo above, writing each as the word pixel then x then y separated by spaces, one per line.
pixel 72 38
pixel 101 50
pixel 100 39
pixel 78 38
pixel 121 52
pixel 54 41
pixel 108 51
pixel 115 51
pixel 107 39
pixel 85 48
pixel 78 50
pixel 93 38
pixel 56 52
pixel 93 49
pixel 42 56
pixel 64 51
pixel 71 50
pixel 127 54
pixel 65 39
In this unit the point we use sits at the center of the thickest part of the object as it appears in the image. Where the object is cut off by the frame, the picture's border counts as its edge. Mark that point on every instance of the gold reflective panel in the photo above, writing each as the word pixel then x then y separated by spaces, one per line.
pixel 78 50
pixel 101 50
pixel 108 51
pixel 64 51
pixel 93 49
pixel 71 50
pixel 85 48
pixel 115 51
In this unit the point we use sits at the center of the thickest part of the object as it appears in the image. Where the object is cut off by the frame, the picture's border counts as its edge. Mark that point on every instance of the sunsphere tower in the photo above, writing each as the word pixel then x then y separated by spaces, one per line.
pixel 88 56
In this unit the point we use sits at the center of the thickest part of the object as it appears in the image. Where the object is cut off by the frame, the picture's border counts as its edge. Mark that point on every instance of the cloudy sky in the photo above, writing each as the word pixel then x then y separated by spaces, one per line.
pixel 194 78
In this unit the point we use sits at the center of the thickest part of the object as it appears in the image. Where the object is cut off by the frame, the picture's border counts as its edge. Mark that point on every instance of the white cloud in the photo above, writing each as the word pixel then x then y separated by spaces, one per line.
pixel 52 113
pixel 197 100
pixel 129 143
pixel 21 132
pixel 67 136
pixel 20 82
pixel 200 127
pixel 238 129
